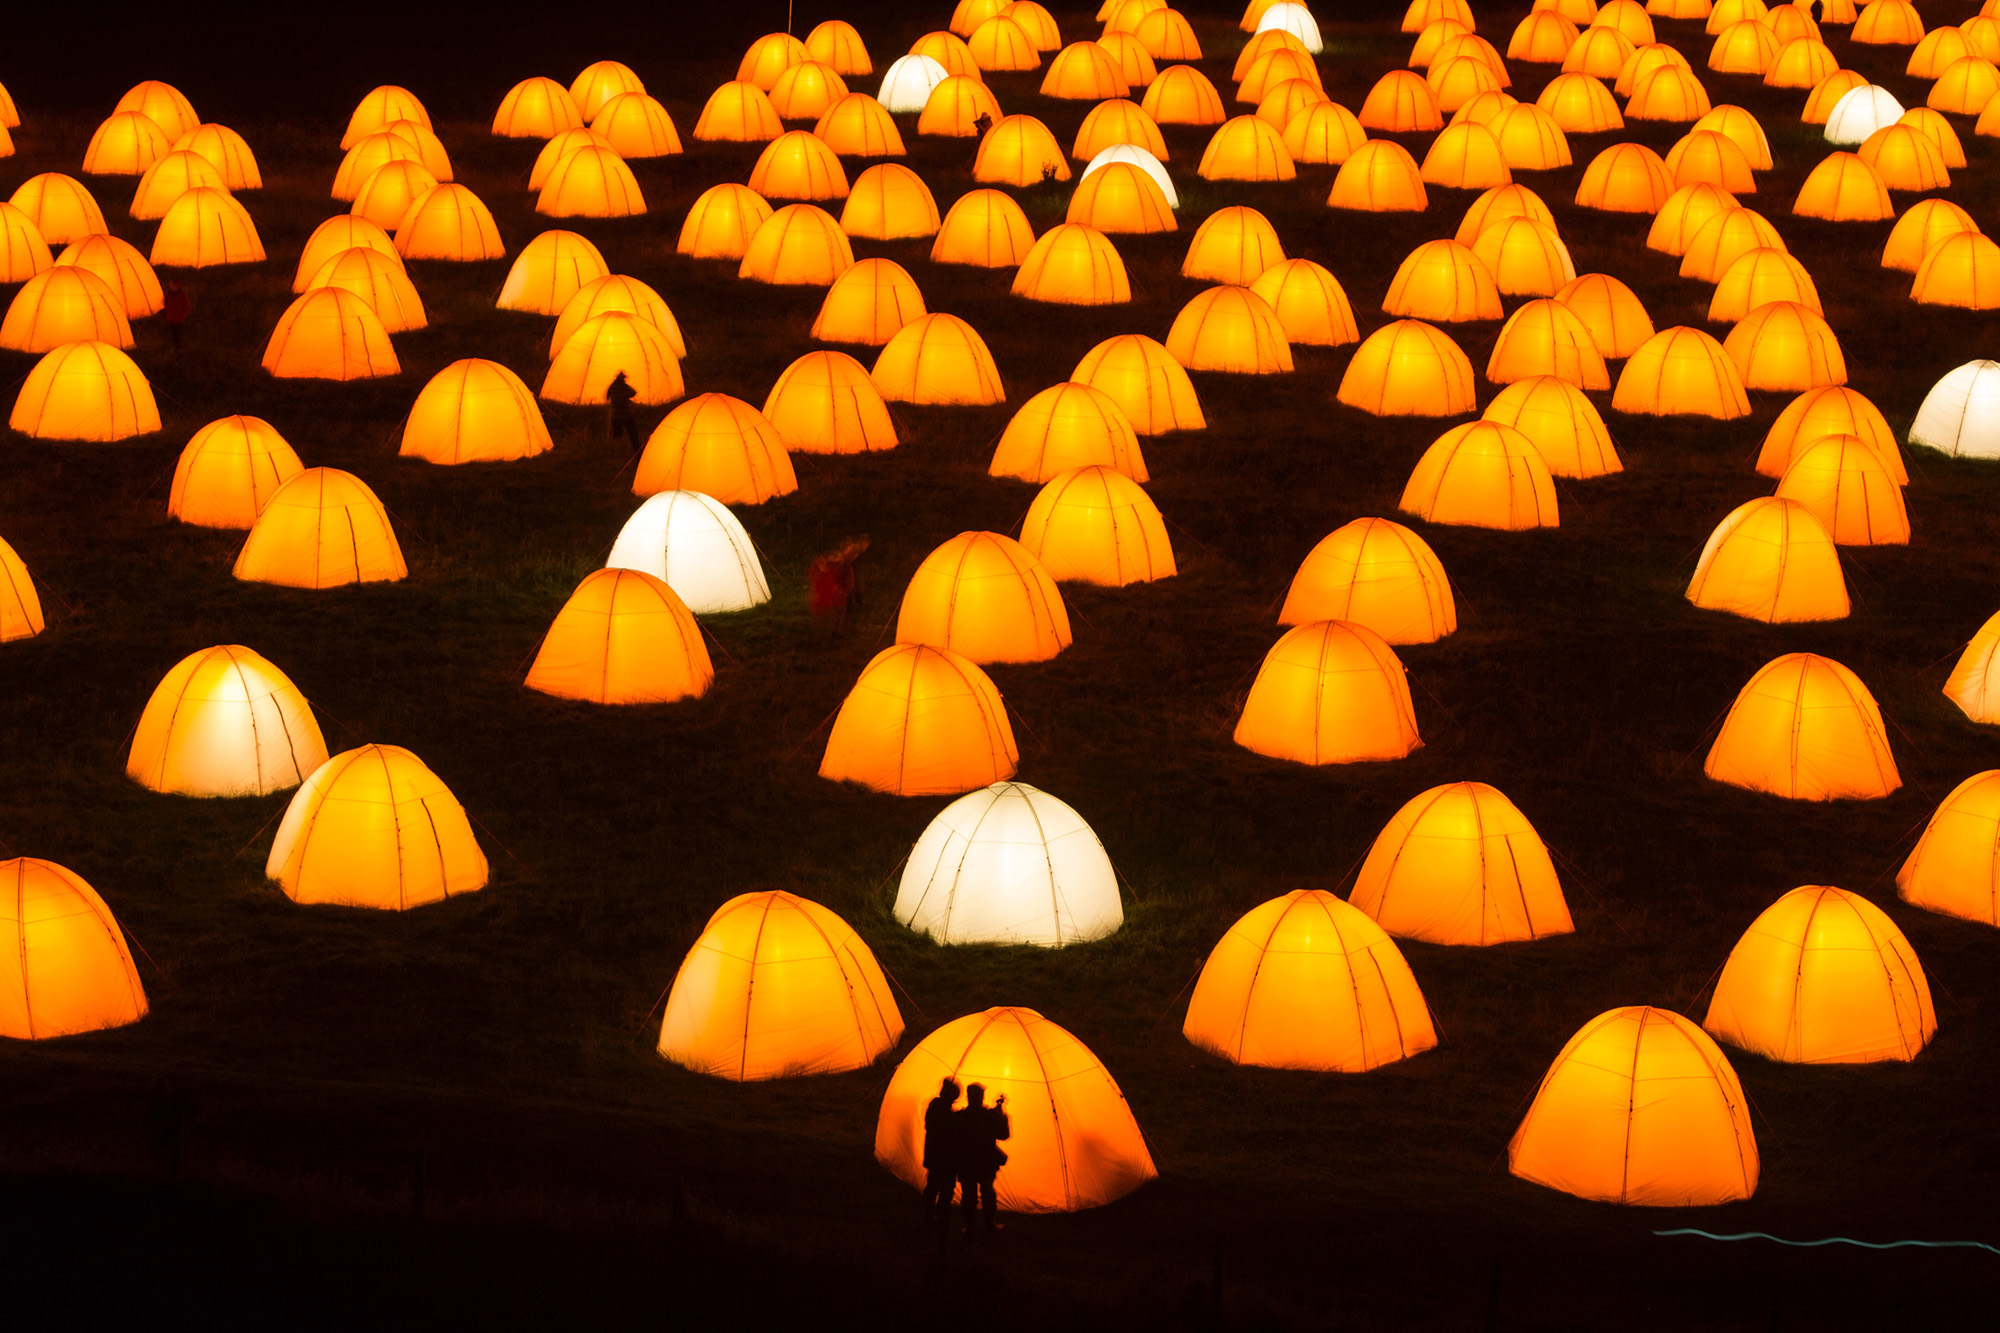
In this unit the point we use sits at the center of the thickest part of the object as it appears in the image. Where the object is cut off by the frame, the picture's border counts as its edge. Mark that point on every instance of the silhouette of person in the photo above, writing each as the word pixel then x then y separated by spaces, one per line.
pixel 940 1154
pixel 620 393
pixel 980 1129
pixel 176 310
pixel 1813 10
pixel 832 585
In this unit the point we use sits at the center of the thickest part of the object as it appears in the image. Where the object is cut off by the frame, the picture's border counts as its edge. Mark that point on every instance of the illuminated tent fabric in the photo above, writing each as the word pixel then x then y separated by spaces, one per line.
pixel 1073 264
pixel 1546 337
pixel 362 161
pixel 1859 113
pixel 1562 424
pixel 799 165
pixel 1465 156
pixel 1530 139
pixel 836 44
pixel 1233 245
pixel 1758 277
pixel 722 221
pixel 1117 121
pixel 1037 22
pixel 1542 38
pixel 331 237
pixel 1786 345
pixel 600 82
pixel 1497 205
pixel 1482 474
pixel 1075 1144
pixel 1295 19
pixel 536 108
pixel 1724 239
pixel 381 107
pixel 125 145
pixel 778 986
pixel 64 966
pixel 1599 52
pixel 768 57
pixel 591 182
pixel 1400 103
pixel 825 403
pixel 1953 867
pixel 374 827
pixel 23 252
pixel 921 721
pixel 1324 133
pixel 938 359
pixel 1802 62
pixel 1966 86
pixel 388 193
pixel 1845 484
pixel 949 50
pixel 858 126
pixel 1580 104
pixel 889 202
pixel 1618 323
pixel 205 227
pixel 1645 59
pixel 1009 864
pixel 797 246
pixel 1379 177
pixel 1149 386
pixel 1686 211
pixel 1961 270
pixel 1167 35
pixel 448 222
pixel 378 280
pixel 225 722
pixel 474 411
pixel 1067 426
pixel 1305 981
pixel 1681 372
pixel 1183 95
pixel 983 229
pixel 719 446
pixel 1085 72
pixel 163 104
pixel 1667 93
pixel 1443 280
pixel 1134 66
pixel 1744 47
pixel 1640 1107
pixel 85 391
pixel 1284 103
pixel 549 271
pixel 806 91
pixel 1772 560
pixel 1460 864
pixel 228 472
pixel 1121 197
pixel 321 529
pixel 1806 728
pixel 1889 23
pixel 1376 574
pixel 330 334
pixel 61 209
pixel 601 348
pixel 431 150
pixel 999 43
pixel 868 304
pixel 1741 129
pixel 1484 111
pixel 1329 692
pixel 694 545
pixel 1094 524
pixel 170 178
pixel 1922 226
pixel 64 305
pixel 616 292
pixel 1905 159
pixel 1625 178
pixel 1710 157
pixel 623 637
pixel 1246 148
pixel 908 83
pixel 1818 413
pixel 987 598
pixel 1229 330
pixel 1309 302
pixel 20 605
pixel 1018 151
pixel 739 112
pixel 1408 368
pixel 1823 976
pixel 1961 414
pixel 1142 158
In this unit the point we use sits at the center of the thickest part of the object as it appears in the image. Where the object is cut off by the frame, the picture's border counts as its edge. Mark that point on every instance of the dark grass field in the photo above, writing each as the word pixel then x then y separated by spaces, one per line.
pixel 457 1115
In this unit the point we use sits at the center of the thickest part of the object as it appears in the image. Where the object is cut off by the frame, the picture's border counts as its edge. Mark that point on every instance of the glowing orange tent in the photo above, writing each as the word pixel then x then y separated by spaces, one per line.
pixel 1116 121
pixel 1843 481
pixel 64 966
pixel 474 411
pixel 536 108
pixel 1758 277
pixel 988 599
pixel 1772 560
pixel 204 227
pixel 1460 864
pixel 1926 223
pixel 797 246
pixel 983 229
pixel 341 232
pixel 1546 337
pixel 170 178
pixel 1681 372
pixel 591 182
pixel 1309 302
pixel 1379 177
pixel 1120 197
pixel 1818 413
pixel 448 222
pixel 374 827
pixel 1686 211
pixel 1307 982
pixel 921 721
pixel 938 358
pixel 1066 426
pixel 889 202
pixel 806 91
pixel 824 403
pixel 738 112
pixel 1376 574
pixel 623 637
pixel 125 145
pixel 330 334
pixel 549 271
pixel 868 304
pixel 1953 868
pixel 607 345
pixel 1725 238
pixel 1580 104
pixel 1094 524
pixel 1325 133
pixel 1973 685
pixel 20 605
pixel 1618 324
pixel 836 44
pixel 1230 330
pixel 722 221
pixel 600 82
pixel 225 722
pixel 1329 692
pixel 1805 728
pixel 1019 151
pixel 1640 1107
pixel 1443 280
pixel 859 126
pixel 1625 178
pixel 799 165
pixel 1905 158
pixel 1525 256
pixel 322 528
pixel 1073 264
pixel 1149 386
pixel 1233 245
pixel 1498 204
pixel 60 208
pixel 1465 156
pixel 380 108
pixel 379 281
pixel 1786 345
pixel 1246 148
pixel 1182 95
pixel 1562 424
pixel 362 161
pixel 1075 1144
pixel 1085 72
pixel 1400 102
pixel 1482 474
pixel 1961 270
pixel 719 446
pixel 85 391
pixel 23 252
pixel 228 472
pixel 1844 188
pixel 64 305
pixel 616 292
pixel 1408 368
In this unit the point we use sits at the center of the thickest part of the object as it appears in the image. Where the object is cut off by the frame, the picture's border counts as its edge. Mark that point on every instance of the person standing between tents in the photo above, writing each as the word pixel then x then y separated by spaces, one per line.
pixel 620 394
pixel 176 310
pixel 832 585
pixel 940 1156
pixel 980 1129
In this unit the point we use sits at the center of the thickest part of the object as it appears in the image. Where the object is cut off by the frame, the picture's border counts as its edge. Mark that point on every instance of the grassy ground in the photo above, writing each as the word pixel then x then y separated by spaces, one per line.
pixel 505 1040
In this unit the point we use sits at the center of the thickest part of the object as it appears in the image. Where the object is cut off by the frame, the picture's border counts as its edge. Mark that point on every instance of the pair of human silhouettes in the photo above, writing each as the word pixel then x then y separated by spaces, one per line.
pixel 962 1150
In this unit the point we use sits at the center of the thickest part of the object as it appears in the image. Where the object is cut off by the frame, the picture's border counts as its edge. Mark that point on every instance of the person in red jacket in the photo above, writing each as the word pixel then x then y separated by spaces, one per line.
pixel 176 310
pixel 832 585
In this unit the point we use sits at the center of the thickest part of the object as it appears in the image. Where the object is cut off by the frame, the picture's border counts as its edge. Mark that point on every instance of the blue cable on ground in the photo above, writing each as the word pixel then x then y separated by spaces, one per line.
pixel 1838 1240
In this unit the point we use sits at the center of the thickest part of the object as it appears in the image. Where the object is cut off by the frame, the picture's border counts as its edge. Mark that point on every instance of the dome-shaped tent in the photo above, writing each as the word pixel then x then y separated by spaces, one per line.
pixel 858 126
pixel 1305 981
pixel 381 282
pixel 558 148
pixel 321 529
pixel 806 91
pixel 85 391
pixel 1786 345
pixel 1546 337
pixel 1843 481
pixel 61 208
pixel 125 145
pixel 378 109
pixel 1066 426
pixel 1009 864
pixel 1465 156
pixel 1379 177
pixel 1113 122
pixel 20 604
pixel 1525 256
pixel 1830 410
pixel 1146 160
pixel 889 202
pixel 1725 238
pixel 988 599
pixel 1843 188
pixel 599 83
pixel 719 446
pixel 867 304
pixel 836 44
pixel 225 722
pixel 1149 386
pixel 448 222
pixel 341 232
pixel 825 403
pixel 1805 728
pixel 23 252
pixel 1953 868
pixel 1311 306
pixel 908 83
pixel 1233 245
pixel 330 334
pixel 1247 148
pixel 1229 330
pixel 536 108
pixel 1618 323
pixel 770 56
pixel 921 721
pixel 1580 104
pixel 374 827
pixel 362 161
pixel 550 270
pixel 606 346
pixel 591 182
pixel 1408 368
pixel 1681 372
pixel 1482 474
pixel 1922 226
pixel 694 545
pixel 1562 424
pixel 229 471
pixel 984 229
pixel 938 359
pixel 1961 413
pixel 474 411
pixel 1460 864
pixel 739 112
pixel 1376 574
pixel 1073 264
pixel 64 966
pixel 205 227
pixel 1443 280
pixel 1961 270
pixel 1823 976
pixel 721 223
pixel 1905 159
pixel 616 293
pixel 1075 1144
pixel 1757 278
pixel 1096 525
pixel 1772 560
pixel 798 165
pixel 1401 102
pixel 1329 692
pixel 623 637
pixel 1326 133
pixel 64 304
pixel 1121 197
pixel 797 246
pixel 1859 113
pixel 1625 178
pixel 955 106
pixel 1084 72
pixel 778 986
pixel 1018 151
pixel 173 176
pixel 1640 1107
pixel 389 191
pixel 1686 211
